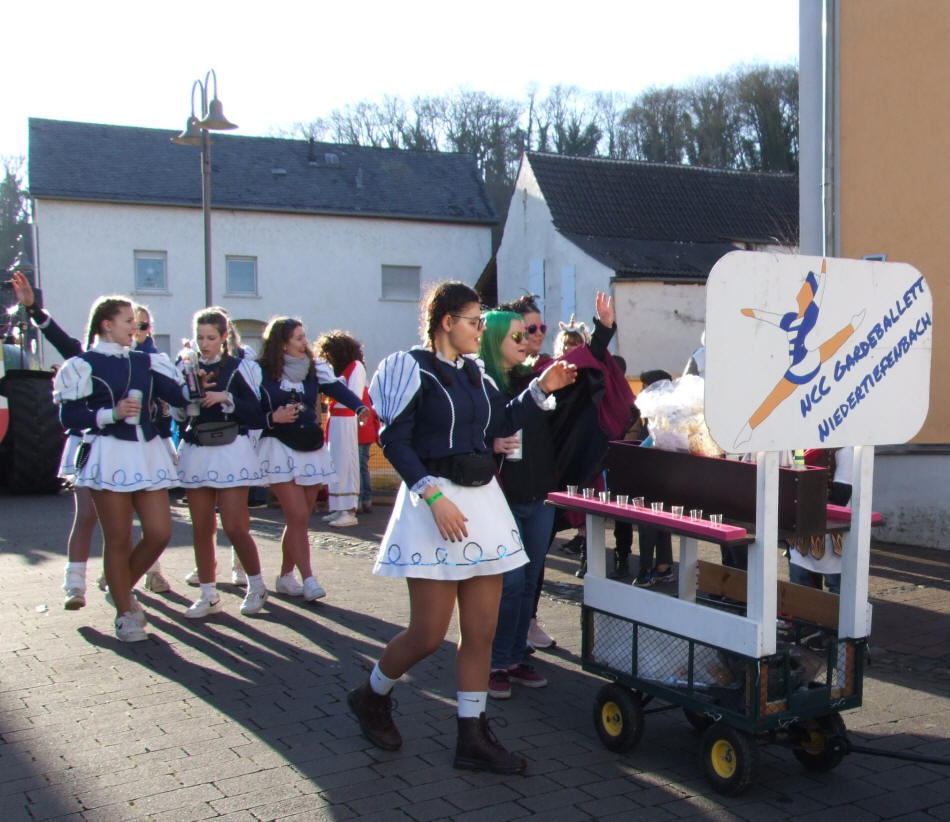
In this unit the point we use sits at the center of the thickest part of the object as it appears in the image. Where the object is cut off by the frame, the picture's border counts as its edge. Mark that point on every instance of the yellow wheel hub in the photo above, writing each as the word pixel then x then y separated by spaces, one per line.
pixel 723 758
pixel 815 743
pixel 611 718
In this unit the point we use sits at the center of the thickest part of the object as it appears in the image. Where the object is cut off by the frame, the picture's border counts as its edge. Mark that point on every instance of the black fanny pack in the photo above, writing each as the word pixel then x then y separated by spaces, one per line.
pixel 470 470
pixel 216 433
pixel 299 438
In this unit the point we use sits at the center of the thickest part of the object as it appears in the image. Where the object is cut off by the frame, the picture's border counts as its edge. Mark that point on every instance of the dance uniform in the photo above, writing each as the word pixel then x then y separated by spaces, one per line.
pixel 342 434
pixel 122 456
pixel 223 466
pixel 435 411
pixel 281 462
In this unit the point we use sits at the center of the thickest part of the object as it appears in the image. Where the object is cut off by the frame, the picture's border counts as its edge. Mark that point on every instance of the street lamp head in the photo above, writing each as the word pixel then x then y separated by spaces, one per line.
pixel 216 121
pixel 191 136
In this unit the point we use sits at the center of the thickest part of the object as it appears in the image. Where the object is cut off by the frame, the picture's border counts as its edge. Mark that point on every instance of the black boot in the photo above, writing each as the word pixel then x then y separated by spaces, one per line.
pixel 374 712
pixel 478 749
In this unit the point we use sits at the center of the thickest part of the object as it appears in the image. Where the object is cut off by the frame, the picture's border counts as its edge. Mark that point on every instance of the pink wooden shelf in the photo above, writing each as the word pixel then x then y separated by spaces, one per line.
pixel 841 513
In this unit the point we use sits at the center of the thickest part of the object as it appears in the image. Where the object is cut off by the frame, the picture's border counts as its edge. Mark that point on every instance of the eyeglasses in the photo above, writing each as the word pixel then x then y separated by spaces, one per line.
pixel 534 328
pixel 517 336
pixel 475 322
pixel 142 326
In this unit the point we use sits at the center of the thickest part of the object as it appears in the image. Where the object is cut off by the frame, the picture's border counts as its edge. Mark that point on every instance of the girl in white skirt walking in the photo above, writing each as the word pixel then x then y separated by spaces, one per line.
pixel 217 463
pixel 293 457
pixel 451 534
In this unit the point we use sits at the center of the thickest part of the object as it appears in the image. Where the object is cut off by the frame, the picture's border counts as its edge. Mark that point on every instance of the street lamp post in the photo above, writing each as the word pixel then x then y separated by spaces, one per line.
pixel 197 133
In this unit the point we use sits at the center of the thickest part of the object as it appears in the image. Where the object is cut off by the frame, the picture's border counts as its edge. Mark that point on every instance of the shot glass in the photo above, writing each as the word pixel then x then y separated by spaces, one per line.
pixel 656 507
pixel 603 496
pixel 588 493
pixel 639 502
pixel 572 490
pixel 677 511
pixel 695 513
pixel 715 519
pixel 623 500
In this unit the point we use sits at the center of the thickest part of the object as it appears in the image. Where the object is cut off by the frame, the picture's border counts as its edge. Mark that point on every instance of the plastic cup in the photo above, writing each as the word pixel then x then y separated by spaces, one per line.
pixel 639 502
pixel 134 394
pixel 572 490
pixel 588 493
pixel 695 513
pixel 623 500
pixel 715 519
pixel 656 507
pixel 677 511
pixel 603 496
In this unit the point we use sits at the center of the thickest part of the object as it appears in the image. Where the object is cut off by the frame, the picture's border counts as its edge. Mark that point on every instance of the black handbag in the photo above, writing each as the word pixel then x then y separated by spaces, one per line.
pixel 469 470
pixel 216 433
pixel 300 438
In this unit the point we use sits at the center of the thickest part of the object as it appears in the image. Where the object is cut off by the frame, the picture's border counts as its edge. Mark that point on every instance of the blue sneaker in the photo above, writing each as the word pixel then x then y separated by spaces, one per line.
pixel 644 579
pixel 663 576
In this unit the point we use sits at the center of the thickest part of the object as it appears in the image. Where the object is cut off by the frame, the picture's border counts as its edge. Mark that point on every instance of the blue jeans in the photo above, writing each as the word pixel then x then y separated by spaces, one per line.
pixel 366 485
pixel 802 576
pixel 535 521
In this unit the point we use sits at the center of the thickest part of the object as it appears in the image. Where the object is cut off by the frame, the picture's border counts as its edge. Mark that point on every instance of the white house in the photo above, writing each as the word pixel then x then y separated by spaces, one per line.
pixel 341 236
pixel 649 232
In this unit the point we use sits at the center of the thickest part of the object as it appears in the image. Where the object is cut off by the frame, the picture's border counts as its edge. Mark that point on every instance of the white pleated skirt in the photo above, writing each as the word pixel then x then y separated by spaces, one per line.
pixel 413 547
pixel 282 464
pixel 234 465
pixel 127 465
pixel 67 463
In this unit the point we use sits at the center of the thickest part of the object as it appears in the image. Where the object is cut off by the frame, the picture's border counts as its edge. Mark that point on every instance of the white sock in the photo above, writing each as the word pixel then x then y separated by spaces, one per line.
pixel 156 567
pixel 209 591
pixel 379 682
pixel 471 704
pixel 255 582
pixel 75 576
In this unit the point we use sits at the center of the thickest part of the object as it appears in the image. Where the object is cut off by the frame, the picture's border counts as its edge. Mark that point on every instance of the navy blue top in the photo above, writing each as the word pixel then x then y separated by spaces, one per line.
pixel 455 411
pixel 247 407
pixel 273 397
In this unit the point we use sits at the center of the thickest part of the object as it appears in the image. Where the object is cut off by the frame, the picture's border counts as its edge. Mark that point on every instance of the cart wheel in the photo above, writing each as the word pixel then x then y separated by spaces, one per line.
pixel 823 743
pixel 729 759
pixel 699 721
pixel 618 717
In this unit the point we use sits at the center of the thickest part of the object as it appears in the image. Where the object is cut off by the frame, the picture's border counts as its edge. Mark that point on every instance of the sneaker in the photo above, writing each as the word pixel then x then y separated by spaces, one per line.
pixel 101 582
pixel 537 637
pixel 192 579
pixel 204 607
pixel 331 516
pixel 253 601
pixel 664 576
pixel 128 628
pixel 524 674
pixel 312 589
pixel 575 545
pixel 288 585
pixel 136 610
pixel 499 685
pixel 644 579
pixel 344 520
pixel 75 599
pixel 156 583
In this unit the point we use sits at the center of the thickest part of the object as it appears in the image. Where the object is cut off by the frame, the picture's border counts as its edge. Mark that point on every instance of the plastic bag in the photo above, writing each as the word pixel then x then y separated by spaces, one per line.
pixel 675 413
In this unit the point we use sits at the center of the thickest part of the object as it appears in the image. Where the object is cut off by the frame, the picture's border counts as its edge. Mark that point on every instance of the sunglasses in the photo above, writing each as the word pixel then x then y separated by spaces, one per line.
pixel 517 336
pixel 475 322
pixel 533 328
pixel 142 326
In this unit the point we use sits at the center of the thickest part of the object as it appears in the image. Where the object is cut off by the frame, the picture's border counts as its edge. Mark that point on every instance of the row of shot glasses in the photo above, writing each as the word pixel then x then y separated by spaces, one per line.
pixel 624 501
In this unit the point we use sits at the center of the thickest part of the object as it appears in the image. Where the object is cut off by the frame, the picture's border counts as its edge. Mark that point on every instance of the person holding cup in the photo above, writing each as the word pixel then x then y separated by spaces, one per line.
pixel 122 459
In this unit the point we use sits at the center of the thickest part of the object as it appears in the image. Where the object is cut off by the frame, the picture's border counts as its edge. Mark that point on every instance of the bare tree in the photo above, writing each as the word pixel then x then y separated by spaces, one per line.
pixel 656 126
pixel 767 103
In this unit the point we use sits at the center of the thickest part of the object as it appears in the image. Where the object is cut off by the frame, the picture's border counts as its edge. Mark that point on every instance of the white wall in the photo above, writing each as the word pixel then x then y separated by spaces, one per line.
pixel 910 490
pixel 324 269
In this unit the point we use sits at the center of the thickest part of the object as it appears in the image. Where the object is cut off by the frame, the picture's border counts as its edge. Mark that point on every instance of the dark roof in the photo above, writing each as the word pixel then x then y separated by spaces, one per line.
pixel 652 219
pixel 85 161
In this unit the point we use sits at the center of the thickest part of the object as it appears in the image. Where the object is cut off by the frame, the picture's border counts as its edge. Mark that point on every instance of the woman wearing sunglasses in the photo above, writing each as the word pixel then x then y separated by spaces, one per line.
pixel 527 475
pixel 451 534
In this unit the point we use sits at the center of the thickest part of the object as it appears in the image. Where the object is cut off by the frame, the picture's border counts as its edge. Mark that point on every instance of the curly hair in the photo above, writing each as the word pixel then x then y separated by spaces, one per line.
pixel 444 298
pixel 523 305
pixel 278 331
pixel 105 308
pixel 339 349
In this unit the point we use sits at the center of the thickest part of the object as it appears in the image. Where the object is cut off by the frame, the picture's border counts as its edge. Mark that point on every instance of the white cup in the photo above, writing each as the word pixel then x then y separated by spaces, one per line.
pixel 134 394
pixel 515 455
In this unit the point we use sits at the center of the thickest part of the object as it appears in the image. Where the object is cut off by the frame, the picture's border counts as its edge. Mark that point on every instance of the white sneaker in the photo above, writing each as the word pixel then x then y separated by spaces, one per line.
pixel 156 582
pixel 101 582
pixel 344 520
pixel 204 607
pixel 331 516
pixel 75 599
pixel 253 601
pixel 128 628
pixel 136 610
pixel 312 589
pixel 537 638
pixel 192 579
pixel 288 585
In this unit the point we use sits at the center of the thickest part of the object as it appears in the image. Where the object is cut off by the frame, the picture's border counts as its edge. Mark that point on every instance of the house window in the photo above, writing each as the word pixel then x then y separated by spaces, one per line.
pixel 401 282
pixel 150 271
pixel 242 276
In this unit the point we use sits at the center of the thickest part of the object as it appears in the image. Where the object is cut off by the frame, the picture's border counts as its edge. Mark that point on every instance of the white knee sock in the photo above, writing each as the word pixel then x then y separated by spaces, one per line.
pixel 379 682
pixel 471 704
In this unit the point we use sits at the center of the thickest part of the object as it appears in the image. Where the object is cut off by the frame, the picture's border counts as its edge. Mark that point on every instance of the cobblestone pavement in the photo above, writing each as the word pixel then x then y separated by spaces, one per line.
pixel 245 718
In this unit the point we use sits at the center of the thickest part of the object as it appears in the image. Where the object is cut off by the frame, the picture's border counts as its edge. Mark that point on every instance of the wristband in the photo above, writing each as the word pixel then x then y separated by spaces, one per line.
pixel 434 497
pixel 114 418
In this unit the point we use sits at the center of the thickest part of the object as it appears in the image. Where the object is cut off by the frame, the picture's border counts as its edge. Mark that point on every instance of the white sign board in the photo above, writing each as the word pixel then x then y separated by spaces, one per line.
pixel 812 352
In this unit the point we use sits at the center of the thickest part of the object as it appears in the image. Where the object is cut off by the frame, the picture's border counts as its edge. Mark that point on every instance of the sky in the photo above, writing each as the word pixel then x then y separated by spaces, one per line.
pixel 281 62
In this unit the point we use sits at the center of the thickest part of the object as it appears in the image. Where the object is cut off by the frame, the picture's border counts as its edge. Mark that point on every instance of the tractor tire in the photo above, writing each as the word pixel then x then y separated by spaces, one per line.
pixel 33 446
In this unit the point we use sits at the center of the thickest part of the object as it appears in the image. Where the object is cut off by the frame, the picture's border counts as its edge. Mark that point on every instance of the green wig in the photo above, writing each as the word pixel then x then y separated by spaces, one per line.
pixel 497 324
